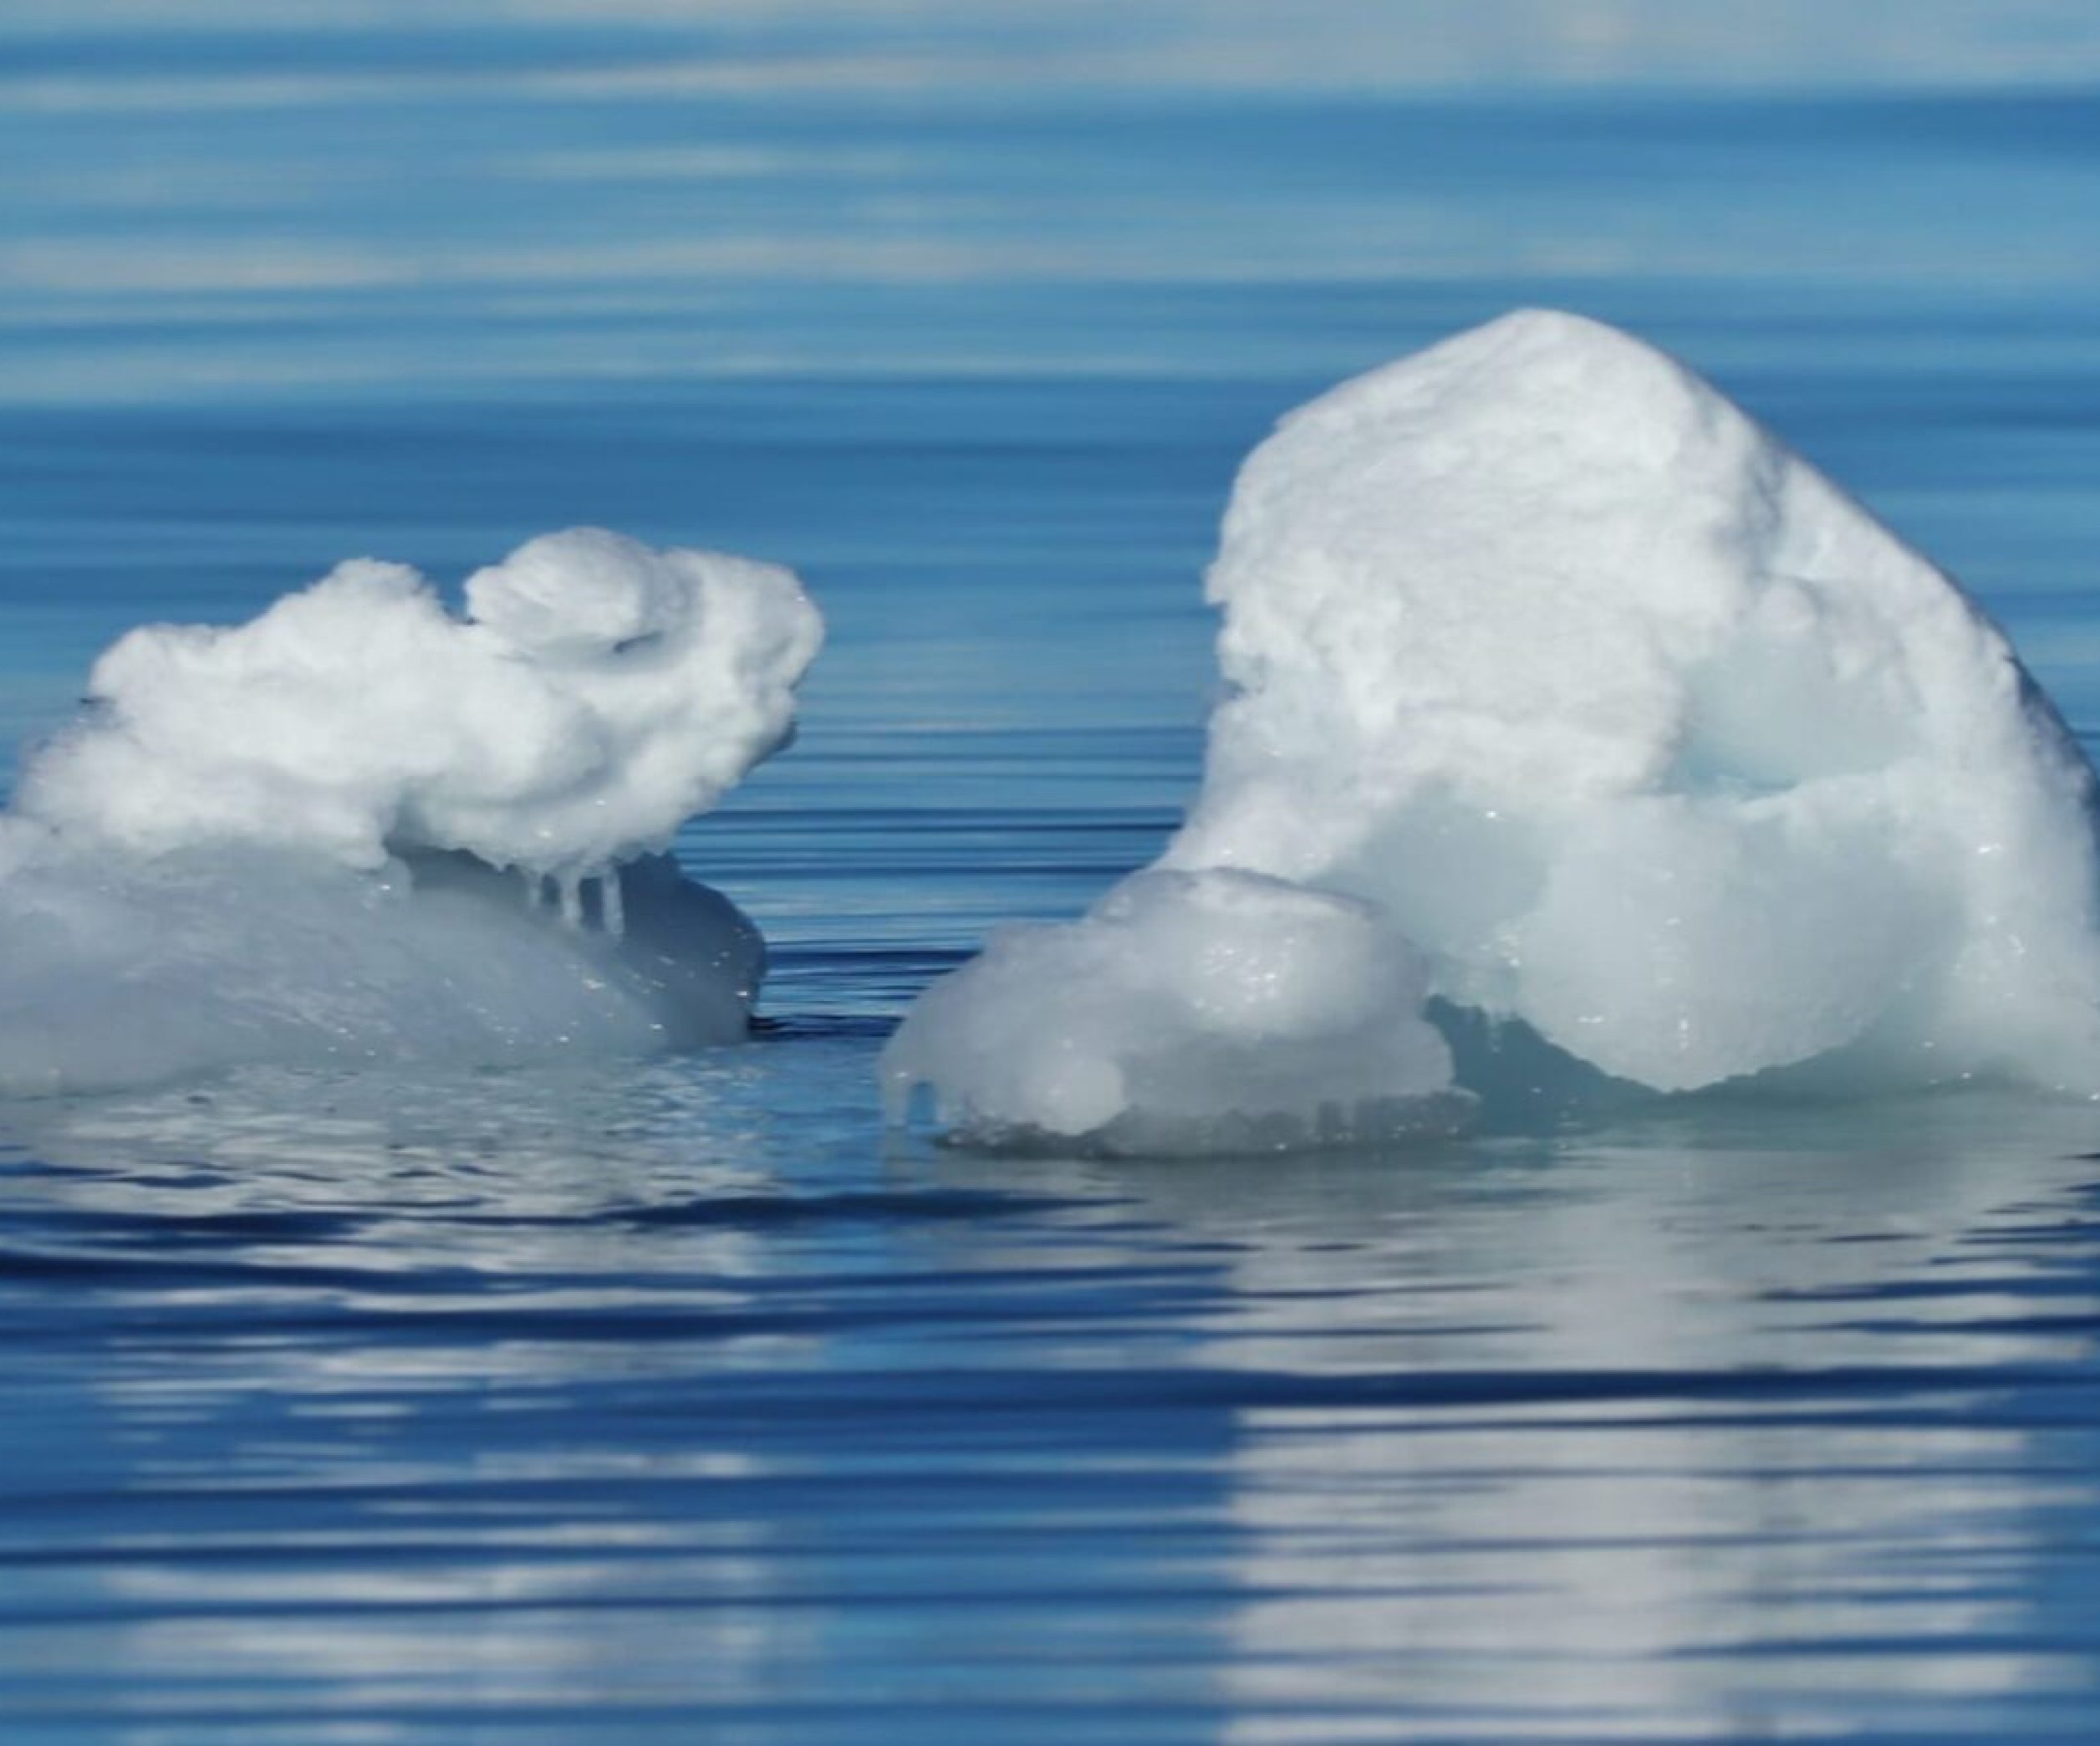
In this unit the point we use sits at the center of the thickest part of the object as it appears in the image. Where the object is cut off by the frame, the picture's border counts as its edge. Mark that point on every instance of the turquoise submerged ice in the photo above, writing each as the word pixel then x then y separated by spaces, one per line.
pixel 364 827
pixel 1606 714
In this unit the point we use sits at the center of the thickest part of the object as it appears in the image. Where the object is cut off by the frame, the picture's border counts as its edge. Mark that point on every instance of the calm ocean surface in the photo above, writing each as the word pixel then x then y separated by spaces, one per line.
pixel 670 1401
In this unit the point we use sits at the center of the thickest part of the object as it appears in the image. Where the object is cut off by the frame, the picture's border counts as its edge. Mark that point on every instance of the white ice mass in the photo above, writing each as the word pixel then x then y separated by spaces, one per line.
pixel 361 826
pixel 1190 1011
pixel 1615 724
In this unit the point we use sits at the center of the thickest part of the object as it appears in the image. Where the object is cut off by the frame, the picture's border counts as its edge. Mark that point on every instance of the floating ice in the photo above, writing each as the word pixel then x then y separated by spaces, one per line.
pixel 1635 728
pixel 1126 1026
pixel 362 827
pixel 599 694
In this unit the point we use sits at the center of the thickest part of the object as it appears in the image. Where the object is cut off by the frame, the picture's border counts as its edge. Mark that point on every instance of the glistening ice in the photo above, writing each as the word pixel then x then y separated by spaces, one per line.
pixel 363 827
pixel 1625 734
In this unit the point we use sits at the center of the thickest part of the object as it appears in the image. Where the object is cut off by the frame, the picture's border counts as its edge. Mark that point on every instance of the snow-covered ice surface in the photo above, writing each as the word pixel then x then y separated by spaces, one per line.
pixel 1560 690
pixel 362 827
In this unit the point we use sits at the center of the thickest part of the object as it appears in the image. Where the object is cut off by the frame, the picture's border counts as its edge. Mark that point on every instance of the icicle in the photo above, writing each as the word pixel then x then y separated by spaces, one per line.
pixel 571 887
pixel 612 904
pixel 535 888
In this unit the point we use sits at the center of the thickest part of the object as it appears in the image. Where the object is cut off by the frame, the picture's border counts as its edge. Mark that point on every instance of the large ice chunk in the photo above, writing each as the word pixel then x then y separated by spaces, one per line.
pixel 1638 729
pixel 361 827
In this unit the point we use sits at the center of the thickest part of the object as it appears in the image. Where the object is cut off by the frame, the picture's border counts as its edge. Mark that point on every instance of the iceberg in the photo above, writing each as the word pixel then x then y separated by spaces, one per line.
pixel 1625 735
pixel 363 827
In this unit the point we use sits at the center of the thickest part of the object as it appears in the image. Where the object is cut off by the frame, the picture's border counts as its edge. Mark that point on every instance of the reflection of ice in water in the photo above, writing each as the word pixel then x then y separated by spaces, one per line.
pixel 356 1459
pixel 1582 1581
pixel 1443 1442
pixel 497 1612
pixel 1519 1471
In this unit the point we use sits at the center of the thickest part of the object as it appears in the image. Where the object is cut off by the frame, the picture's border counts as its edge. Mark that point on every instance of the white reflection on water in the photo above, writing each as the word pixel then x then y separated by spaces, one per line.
pixel 1567 1505
pixel 329 1510
pixel 1720 1419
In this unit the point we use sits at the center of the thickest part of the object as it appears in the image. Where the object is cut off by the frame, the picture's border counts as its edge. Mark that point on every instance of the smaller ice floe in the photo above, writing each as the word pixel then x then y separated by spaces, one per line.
pixel 1203 1012
pixel 1648 749
pixel 361 827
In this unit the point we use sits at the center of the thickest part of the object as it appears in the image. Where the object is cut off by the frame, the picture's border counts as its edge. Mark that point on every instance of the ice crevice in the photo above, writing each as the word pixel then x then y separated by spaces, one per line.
pixel 1635 754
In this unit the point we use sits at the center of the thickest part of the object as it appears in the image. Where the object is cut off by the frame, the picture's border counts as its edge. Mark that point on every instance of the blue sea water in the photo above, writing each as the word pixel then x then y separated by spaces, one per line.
pixel 672 1401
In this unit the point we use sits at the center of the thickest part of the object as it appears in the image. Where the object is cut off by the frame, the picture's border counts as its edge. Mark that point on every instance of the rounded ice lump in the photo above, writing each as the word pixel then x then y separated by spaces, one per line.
pixel 598 694
pixel 362 827
pixel 1123 1028
pixel 1634 728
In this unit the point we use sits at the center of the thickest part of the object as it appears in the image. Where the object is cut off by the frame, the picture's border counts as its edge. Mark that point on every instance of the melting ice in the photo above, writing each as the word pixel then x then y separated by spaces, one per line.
pixel 361 826
pixel 1562 695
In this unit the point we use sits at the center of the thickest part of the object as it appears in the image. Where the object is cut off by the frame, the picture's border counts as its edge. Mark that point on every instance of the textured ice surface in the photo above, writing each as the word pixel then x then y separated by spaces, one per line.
pixel 598 694
pixel 361 827
pixel 1190 1011
pixel 1634 726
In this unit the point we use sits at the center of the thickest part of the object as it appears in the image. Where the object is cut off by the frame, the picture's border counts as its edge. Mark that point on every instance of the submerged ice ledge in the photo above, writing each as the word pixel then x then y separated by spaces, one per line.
pixel 361 827
pixel 1565 697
